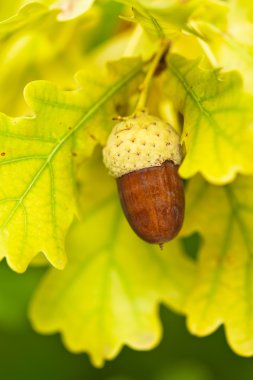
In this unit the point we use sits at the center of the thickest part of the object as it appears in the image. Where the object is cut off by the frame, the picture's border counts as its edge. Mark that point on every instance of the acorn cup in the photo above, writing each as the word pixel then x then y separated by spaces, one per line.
pixel 143 153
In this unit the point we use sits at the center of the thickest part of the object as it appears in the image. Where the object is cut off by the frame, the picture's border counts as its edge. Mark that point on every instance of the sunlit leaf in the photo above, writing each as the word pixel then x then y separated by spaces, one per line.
pixel 9 8
pixel 108 295
pixel 171 18
pixel 223 291
pixel 166 20
pixel 27 15
pixel 19 13
pixel 28 52
pixel 37 196
pixel 217 115
pixel 231 43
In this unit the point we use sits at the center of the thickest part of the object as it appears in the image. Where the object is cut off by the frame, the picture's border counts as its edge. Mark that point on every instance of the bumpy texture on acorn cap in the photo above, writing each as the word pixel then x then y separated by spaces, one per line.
pixel 139 142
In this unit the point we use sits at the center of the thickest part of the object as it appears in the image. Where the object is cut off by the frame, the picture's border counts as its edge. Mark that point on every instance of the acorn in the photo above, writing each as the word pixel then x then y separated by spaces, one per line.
pixel 143 153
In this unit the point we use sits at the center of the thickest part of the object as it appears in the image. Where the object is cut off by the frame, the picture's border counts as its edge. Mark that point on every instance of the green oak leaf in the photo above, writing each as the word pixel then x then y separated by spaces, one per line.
pixel 108 294
pixel 29 53
pixel 17 15
pixel 170 19
pixel 27 15
pixel 231 43
pixel 162 20
pixel 223 290
pixel 217 130
pixel 38 185
pixel 29 56
pixel 8 8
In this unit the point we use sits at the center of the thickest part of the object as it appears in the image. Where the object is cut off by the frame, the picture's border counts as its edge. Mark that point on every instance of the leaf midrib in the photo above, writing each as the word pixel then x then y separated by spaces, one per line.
pixel 103 99
pixel 248 267
pixel 198 102
pixel 234 217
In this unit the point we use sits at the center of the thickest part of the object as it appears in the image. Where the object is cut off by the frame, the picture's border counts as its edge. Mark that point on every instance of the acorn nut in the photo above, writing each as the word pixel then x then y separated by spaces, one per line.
pixel 143 153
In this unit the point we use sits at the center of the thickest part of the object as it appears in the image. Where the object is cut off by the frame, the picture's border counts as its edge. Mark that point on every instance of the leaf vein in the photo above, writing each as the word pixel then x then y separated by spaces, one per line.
pixel 93 109
pixel 203 111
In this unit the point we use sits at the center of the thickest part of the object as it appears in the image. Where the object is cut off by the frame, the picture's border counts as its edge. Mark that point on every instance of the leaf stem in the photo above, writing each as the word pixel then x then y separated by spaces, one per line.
pixel 144 88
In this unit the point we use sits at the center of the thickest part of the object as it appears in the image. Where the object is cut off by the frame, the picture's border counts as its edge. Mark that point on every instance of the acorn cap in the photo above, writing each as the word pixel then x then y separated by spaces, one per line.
pixel 139 142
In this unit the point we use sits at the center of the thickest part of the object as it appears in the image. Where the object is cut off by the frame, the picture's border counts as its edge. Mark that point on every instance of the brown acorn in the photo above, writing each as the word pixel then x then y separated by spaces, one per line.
pixel 143 153
pixel 153 201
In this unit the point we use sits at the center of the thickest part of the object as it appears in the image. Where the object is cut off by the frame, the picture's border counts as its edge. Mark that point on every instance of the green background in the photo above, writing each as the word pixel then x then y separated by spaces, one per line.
pixel 180 356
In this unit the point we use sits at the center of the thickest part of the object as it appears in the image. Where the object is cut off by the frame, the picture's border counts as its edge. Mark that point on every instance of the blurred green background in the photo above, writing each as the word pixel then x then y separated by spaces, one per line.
pixel 180 356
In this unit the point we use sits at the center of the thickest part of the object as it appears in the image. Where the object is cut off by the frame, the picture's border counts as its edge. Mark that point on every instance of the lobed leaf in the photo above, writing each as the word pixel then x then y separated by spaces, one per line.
pixel 108 295
pixel 230 43
pixel 170 19
pixel 37 195
pixel 160 21
pixel 30 12
pixel 29 52
pixel 217 113
pixel 223 290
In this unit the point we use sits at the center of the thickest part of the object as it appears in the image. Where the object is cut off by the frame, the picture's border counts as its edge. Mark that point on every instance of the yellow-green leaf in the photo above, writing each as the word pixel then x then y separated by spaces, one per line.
pixel 223 290
pixel 18 14
pixel 109 293
pixel 28 51
pixel 37 195
pixel 217 113
pixel 28 14
pixel 162 20
pixel 172 18
pixel 231 43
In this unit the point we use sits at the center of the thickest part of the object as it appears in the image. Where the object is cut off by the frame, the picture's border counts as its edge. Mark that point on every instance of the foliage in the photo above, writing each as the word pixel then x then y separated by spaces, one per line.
pixel 120 298
pixel 222 292
pixel 57 200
